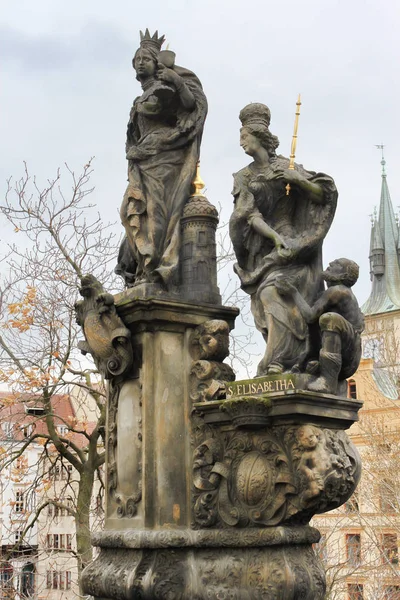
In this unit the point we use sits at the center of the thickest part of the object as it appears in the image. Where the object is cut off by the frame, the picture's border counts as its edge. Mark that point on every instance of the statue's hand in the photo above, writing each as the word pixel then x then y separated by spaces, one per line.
pixel 167 75
pixel 284 287
pixel 288 176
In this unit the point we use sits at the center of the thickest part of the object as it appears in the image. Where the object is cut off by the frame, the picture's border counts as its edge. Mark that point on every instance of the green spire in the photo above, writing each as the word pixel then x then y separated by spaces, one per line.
pixel 384 257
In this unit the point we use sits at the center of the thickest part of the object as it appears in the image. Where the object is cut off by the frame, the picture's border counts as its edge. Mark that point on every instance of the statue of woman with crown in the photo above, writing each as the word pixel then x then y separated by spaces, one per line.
pixel 278 234
pixel 162 148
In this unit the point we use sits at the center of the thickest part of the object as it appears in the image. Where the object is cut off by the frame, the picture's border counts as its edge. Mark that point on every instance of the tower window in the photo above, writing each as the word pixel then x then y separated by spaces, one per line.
pixel 351 389
pixel 202 238
pixel 188 250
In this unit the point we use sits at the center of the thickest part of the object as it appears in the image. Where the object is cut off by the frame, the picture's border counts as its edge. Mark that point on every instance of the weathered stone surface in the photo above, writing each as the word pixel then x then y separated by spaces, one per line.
pixel 211 483
pixel 198 281
pixel 251 566
pixel 270 476
pixel 209 345
pixel 106 337
pixel 148 431
pixel 162 148
pixel 266 406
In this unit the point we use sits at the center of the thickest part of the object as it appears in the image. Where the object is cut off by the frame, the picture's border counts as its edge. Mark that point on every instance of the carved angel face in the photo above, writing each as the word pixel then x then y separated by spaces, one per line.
pixel 307 437
pixel 144 64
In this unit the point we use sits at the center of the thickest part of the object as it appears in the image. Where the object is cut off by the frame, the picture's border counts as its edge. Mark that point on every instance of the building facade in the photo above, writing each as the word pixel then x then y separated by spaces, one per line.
pixel 38 497
pixel 360 540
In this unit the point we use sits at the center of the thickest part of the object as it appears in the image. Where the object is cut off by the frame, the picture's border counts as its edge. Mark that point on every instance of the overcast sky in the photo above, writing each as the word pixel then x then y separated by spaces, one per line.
pixel 68 85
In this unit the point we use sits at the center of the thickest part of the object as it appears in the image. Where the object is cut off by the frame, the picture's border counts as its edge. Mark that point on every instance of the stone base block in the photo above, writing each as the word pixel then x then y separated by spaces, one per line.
pixel 283 567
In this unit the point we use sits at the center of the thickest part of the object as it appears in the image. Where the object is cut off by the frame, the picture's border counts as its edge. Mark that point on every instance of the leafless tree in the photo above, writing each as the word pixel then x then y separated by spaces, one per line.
pixel 54 241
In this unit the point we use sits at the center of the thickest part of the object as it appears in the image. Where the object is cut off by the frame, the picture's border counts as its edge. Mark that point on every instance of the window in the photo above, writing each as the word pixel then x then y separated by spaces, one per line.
pixel 387 497
pixel 28 580
pixel 353 549
pixel 6 575
pixel 389 549
pixel 188 250
pixel 61 471
pixel 59 541
pixel 54 472
pixel 355 591
pixel 58 580
pixel 36 411
pixel 21 464
pixel 19 501
pixel 18 536
pixel 202 271
pixel 66 471
pixel 201 238
pixel 8 429
pixel 27 430
pixel 351 389
pixel 351 506
pixel 56 576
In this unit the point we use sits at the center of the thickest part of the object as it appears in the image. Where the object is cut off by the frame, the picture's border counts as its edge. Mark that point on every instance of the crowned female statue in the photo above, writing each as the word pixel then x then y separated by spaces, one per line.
pixel 278 234
pixel 162 148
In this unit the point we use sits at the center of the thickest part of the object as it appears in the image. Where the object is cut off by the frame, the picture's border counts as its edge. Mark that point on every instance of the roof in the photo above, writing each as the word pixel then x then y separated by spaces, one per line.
pixel 384 257
pixel 385 383
pixel 17 412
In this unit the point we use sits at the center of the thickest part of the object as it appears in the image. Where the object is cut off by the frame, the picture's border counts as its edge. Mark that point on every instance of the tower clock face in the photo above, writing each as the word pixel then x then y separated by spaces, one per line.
pixel 373 348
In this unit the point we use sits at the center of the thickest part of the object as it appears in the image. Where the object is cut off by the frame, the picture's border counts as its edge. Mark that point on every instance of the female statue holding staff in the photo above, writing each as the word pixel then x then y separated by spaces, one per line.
pixel 278 235
pixel 163 144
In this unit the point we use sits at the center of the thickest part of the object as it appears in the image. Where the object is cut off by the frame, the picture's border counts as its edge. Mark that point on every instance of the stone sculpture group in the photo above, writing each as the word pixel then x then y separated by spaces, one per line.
pixel 211 482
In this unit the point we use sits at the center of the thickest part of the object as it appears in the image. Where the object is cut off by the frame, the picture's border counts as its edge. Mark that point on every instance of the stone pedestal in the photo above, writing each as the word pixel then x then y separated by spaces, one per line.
pixel 149 436
pixel 210 497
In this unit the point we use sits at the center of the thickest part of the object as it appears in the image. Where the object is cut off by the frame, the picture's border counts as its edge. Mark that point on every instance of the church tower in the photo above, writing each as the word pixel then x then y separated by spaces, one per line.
pixel 384 256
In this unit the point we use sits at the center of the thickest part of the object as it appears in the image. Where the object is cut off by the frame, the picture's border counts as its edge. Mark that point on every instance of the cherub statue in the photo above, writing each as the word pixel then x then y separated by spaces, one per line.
pixel 340 321
pixel 315 462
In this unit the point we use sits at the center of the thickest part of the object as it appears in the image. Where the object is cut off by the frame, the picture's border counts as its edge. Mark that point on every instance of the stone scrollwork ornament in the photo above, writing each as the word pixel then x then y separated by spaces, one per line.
pixel 282 475
pixel 106 337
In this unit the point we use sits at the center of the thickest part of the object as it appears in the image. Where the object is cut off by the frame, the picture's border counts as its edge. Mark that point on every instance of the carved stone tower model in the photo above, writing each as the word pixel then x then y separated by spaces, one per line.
pixel 198 250
pixel 211 482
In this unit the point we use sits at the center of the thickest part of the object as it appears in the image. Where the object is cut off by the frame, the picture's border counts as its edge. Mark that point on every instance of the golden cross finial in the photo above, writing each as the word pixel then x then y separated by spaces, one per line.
pixel 198 183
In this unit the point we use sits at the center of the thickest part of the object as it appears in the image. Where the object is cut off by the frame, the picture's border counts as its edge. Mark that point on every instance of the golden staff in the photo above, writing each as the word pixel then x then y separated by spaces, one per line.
pixel 294 141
